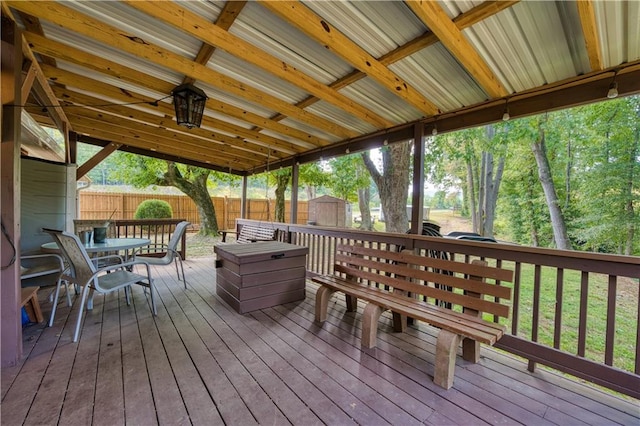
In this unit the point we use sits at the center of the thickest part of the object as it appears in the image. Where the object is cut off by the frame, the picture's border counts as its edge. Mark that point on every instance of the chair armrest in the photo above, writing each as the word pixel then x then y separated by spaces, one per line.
pixel 56 265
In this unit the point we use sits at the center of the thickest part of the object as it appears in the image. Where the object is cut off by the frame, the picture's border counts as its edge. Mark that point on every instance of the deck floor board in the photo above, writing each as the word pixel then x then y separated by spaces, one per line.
pixel 199 362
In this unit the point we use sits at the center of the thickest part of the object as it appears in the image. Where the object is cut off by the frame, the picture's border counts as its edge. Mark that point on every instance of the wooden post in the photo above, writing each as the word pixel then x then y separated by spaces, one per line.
pixel 10 294
pixel 417 199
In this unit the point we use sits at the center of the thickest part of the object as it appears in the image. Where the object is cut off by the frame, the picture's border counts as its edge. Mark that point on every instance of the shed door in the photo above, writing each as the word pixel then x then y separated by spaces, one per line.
pixel 327 214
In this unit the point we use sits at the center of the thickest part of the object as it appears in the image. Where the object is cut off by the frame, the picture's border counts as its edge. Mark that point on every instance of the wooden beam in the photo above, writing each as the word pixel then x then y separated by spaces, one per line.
pixel 119 94
pixel 229 13
pixel 465 20
pixel 590 31
pixel 436 19
pixel 32 24
pixel 151 146
pixel 159 155
pixel 162 126
pixel 172 13
pixel 112 124
pixel 42 92
pixel 27 81
pixel 307 21
pixel 130 43
pixel 88 165
pixel 70 54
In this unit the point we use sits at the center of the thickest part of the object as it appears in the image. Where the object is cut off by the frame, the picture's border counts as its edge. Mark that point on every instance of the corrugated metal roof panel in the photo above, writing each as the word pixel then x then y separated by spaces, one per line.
pixel 254 76
pixel 335 114
pixel 281 40
pixel 376 26
pixel 124 17
pixel 88 45
pixel 382 101
pixel 436 74
pixel 525 46
pixel 619 31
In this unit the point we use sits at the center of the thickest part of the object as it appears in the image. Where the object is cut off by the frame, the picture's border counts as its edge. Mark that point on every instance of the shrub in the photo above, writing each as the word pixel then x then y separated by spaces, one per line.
pixel 153 209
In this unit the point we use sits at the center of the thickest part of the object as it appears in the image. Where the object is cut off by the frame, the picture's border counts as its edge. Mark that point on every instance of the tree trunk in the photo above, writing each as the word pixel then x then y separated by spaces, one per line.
pixel 393 184
pixel 544 174
pixel 629 189
pixel 282 180
pixel 491 194
pixel 471 189
pixel 364 197
pixel 195 189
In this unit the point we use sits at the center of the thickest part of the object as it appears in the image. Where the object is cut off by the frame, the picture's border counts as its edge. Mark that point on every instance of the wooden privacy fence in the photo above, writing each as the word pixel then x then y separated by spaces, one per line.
pixel 100 205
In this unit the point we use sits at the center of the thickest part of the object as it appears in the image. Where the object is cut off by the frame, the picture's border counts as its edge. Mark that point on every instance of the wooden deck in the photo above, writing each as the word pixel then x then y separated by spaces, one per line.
pixel 199 362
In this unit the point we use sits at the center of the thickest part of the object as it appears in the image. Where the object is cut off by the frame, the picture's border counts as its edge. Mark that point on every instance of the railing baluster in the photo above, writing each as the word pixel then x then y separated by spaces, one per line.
pixel 557 318
pixel 582 323
pixel 612 293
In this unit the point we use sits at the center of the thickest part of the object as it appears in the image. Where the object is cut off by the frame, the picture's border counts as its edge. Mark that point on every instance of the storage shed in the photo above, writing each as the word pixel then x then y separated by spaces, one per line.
pixel 330 211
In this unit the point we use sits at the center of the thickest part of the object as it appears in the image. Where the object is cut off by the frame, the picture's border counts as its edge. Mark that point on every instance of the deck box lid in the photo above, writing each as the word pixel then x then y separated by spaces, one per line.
pixel 258 252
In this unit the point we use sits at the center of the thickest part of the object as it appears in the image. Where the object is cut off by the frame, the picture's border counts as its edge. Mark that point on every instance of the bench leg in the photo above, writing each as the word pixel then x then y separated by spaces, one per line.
pixel 399 323
pixel 322 302
pixel 352 303
pixel 446 347
pixel 470 350
pixel 370 318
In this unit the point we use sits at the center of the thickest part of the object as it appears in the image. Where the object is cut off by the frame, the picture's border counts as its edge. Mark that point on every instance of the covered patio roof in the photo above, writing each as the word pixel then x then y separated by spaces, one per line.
pixel 290 82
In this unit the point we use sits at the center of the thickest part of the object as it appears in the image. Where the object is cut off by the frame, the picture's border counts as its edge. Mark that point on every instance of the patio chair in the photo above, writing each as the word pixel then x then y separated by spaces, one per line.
pixel 84 273
pixel 150 253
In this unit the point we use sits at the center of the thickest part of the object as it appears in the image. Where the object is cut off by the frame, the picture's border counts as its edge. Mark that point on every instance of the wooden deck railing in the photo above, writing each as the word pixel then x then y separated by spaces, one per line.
pixel 157 230
pixel 556 292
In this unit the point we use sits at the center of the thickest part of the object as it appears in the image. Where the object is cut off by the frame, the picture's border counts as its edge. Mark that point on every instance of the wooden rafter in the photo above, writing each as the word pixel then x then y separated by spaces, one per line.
pixel 32 24
pixel 313 25
pixel 88 165
pixel 160 127
pixel 209 33
pixel 254 140
pixel 87 26
pixel 227 17
pixel 69 54
pixel 436 19
pixel 465 20
pixel 590 31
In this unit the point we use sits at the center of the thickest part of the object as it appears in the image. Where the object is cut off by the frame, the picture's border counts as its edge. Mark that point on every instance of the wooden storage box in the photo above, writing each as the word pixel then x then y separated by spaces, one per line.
pixel 259 275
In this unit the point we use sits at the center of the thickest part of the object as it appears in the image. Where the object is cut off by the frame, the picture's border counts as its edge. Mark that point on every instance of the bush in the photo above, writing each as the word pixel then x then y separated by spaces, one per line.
pixel 153 209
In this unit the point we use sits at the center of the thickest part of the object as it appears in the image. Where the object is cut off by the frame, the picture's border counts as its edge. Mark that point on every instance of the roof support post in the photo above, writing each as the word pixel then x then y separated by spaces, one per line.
pixel 417 197
pixel 295 175
pixel 10 323
pixel 243 199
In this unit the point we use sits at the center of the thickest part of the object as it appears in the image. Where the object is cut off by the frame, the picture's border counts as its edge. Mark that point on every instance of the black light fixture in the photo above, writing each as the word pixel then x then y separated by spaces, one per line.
pixel 189 102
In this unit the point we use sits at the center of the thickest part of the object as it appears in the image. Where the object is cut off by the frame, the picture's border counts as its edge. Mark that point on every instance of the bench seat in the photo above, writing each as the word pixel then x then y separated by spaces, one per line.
pixel 423 288
pixel 251 234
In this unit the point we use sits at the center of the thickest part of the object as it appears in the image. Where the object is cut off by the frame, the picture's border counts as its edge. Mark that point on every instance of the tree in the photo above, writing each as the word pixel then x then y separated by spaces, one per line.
pixel 144 171
pixel 610 178
pixel 282 178
pixel 350 181
pixel 469 156
pixel 392 182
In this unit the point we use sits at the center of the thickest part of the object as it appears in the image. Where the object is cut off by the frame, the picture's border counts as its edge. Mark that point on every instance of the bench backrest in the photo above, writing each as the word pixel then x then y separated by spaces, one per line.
pixel 251 234
pixel 461 286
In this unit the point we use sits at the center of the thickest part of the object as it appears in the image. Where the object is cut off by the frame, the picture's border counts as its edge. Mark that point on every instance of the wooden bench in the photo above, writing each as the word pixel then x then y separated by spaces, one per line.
pixel 251 234
pixel 449 295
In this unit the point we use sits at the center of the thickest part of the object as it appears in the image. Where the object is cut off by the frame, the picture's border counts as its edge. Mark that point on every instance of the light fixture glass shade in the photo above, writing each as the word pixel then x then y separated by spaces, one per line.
pixel 613 90
pixel 189 102
pixel 506 116
pixel 434 132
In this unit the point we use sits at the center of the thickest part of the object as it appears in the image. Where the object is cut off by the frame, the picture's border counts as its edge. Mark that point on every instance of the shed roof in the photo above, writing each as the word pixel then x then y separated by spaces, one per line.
pixel 294 81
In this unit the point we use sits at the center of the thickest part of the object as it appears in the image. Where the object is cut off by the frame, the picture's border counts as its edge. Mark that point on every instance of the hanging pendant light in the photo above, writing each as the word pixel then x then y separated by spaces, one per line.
pixel 189 102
